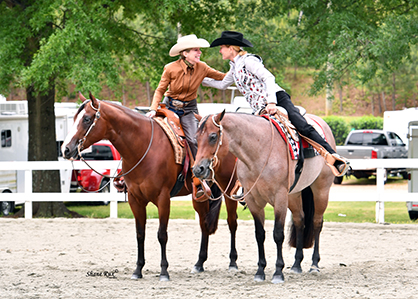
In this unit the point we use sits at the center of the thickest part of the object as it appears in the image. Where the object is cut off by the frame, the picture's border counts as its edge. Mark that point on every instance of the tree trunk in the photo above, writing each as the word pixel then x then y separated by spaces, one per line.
pixel 201 95
pixel 43 147
pixel 372 104
pixel 384 101
pixel 340 93
pixel 393 91
pixel 379 103
pixel 147 85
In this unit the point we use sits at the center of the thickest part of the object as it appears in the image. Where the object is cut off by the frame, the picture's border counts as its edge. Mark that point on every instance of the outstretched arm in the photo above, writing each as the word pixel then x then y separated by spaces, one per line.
pixel 227 81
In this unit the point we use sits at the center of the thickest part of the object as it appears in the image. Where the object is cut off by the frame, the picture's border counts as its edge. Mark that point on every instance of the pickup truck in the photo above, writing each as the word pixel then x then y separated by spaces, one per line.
pixel 86 180
pixel 372 144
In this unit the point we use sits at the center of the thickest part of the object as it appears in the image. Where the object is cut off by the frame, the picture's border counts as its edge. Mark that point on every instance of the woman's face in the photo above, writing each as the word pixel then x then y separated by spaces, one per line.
pixel 193 55
pixel 227 52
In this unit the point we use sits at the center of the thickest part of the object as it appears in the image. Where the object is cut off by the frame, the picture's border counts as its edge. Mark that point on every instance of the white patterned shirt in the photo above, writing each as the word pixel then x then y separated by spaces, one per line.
pixel 252 79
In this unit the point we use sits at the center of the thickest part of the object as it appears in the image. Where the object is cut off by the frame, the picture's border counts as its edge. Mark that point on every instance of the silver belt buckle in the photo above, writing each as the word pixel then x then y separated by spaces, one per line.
pixel 177 103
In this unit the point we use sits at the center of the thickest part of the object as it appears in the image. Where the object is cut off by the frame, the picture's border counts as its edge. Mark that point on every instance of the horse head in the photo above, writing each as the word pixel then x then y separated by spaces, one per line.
pixel 211 148
pixel 86 128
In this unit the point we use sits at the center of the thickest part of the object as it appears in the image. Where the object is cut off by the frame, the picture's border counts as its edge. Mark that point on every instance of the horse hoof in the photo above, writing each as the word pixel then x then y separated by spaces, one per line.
pixel 314 270
pixel 164 278
pixel 233 269
pixel 197 269
pixel 296 270
pixel 278 279
pixel 136 276
pixel 259 278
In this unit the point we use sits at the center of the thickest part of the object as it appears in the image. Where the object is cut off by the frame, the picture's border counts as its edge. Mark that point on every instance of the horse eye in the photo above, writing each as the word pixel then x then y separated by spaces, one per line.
pixel 212 138
pixel 87 119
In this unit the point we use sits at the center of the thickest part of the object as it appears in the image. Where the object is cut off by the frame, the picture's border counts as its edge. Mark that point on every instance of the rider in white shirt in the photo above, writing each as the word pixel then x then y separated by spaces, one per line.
pixel 258 86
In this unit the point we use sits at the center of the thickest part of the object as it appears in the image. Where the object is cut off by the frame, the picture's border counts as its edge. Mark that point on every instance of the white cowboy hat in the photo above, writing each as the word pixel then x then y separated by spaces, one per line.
pixel 188 42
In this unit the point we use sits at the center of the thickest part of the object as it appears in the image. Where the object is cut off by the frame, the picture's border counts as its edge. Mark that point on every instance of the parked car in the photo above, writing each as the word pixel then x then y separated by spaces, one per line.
pixel 87 180
pixel 372 144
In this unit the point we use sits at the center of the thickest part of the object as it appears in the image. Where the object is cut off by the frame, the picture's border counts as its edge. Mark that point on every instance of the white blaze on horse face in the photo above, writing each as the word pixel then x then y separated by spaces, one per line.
pixel 72 131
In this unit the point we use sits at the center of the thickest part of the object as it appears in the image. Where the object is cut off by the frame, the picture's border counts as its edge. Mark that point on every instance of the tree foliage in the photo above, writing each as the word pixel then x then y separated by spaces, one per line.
pixel 360 37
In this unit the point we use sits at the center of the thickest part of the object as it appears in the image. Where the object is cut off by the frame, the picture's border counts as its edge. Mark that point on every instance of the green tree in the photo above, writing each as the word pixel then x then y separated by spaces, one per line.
pixel 358 37
pixel 48 44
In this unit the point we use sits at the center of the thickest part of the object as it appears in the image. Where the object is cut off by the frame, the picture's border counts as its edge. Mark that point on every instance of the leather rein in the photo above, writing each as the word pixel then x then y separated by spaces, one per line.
pixel 81 142
pixel 215 160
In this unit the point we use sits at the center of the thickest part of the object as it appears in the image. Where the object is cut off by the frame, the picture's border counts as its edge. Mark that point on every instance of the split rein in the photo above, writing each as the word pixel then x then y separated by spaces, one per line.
pixel 215 161
pixel 81 142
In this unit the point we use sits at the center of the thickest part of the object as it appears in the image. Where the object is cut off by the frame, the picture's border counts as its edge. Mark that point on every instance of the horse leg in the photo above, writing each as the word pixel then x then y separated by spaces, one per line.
pixel 318 221
pixel 139 212
pixel 202 209
pixel 278 235
pixel 315 255
pixel 231 208
pixel 260 236
pixel 320 194
pixel 296 238
pixel 163 214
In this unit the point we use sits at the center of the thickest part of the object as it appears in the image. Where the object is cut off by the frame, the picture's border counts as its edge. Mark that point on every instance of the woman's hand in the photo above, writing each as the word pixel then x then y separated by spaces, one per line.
pixel 151 114
pixel 271 108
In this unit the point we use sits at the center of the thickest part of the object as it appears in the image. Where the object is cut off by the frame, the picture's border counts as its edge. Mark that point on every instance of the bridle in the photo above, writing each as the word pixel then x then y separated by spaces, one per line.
pixel 81 142
pixel 214 161
pixel 96 118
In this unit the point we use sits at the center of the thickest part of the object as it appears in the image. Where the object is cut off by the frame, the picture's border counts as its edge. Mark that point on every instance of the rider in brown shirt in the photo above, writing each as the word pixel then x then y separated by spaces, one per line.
pixel 179 84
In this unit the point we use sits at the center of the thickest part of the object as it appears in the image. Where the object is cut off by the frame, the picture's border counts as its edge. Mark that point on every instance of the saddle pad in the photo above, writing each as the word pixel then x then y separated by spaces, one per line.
pixel 293 145
pixel 179 151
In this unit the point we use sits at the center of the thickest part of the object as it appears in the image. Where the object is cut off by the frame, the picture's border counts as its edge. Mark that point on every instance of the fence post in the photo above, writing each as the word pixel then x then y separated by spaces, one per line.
pixel 28 192
pixel 113 203
pixel 380 186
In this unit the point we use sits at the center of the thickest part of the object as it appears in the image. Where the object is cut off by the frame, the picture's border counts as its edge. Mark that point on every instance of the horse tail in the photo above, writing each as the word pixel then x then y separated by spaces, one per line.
pixel 212 217
pixel 308 210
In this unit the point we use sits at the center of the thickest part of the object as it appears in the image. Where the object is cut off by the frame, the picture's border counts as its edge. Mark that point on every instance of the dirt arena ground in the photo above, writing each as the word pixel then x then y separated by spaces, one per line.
pixel 52 258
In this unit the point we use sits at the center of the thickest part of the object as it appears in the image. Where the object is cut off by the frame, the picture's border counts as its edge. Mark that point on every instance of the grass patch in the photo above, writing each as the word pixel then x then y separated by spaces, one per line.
pixel 359 212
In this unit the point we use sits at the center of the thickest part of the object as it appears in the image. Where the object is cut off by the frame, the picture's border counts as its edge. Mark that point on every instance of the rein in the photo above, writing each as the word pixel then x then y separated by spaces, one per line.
pixel 215 158
pixel 81 142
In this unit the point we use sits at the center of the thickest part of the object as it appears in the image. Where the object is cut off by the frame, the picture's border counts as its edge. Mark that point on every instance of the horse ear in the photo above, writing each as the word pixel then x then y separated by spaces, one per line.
pixel 198 117
pixel 93 100
pixel 81 97
pixel 219 117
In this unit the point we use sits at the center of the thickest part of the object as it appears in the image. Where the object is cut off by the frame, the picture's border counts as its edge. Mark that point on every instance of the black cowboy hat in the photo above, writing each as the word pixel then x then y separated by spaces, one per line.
pixel 231 38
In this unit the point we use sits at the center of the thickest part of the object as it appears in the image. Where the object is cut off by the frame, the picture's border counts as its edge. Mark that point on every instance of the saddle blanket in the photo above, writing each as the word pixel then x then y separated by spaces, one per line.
pixel 179 151
pixel 294 145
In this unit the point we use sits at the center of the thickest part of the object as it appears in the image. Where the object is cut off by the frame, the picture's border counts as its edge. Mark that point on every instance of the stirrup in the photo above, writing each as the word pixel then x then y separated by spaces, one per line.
pixel 338 170
pixel 203 194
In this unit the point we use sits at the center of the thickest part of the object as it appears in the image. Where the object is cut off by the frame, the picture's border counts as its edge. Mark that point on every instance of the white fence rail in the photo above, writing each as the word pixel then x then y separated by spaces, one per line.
pixel 379 195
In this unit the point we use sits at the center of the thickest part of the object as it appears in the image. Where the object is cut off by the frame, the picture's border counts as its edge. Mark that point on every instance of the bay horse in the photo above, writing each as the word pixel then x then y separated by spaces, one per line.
pixel 150 173
pixel 266 174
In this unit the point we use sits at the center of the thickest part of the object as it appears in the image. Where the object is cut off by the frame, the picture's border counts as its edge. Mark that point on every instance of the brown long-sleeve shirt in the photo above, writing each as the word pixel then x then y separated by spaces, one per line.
pixel 182 83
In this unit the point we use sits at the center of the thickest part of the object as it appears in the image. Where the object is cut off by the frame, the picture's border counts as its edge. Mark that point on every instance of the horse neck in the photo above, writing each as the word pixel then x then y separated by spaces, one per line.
pixel 247 137
pixel 125 128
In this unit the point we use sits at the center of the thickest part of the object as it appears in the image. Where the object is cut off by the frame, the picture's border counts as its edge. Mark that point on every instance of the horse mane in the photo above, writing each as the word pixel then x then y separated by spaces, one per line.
pixel 205 119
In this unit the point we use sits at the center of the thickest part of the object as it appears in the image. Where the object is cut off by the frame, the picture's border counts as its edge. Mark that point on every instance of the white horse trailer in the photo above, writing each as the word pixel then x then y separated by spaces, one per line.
pixel 14 144
pixel 398 120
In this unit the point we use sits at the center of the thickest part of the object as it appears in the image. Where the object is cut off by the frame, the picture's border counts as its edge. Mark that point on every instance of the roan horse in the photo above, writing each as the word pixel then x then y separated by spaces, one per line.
pixel 150 173
pixel 266 175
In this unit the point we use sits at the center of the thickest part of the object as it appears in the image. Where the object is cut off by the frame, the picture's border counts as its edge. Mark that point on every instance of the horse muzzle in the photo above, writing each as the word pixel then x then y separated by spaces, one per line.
pixel 202 169
pixel 69 153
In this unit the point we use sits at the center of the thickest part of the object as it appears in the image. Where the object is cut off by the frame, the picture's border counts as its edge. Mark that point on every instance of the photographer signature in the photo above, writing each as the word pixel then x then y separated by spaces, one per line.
pixel 108 274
